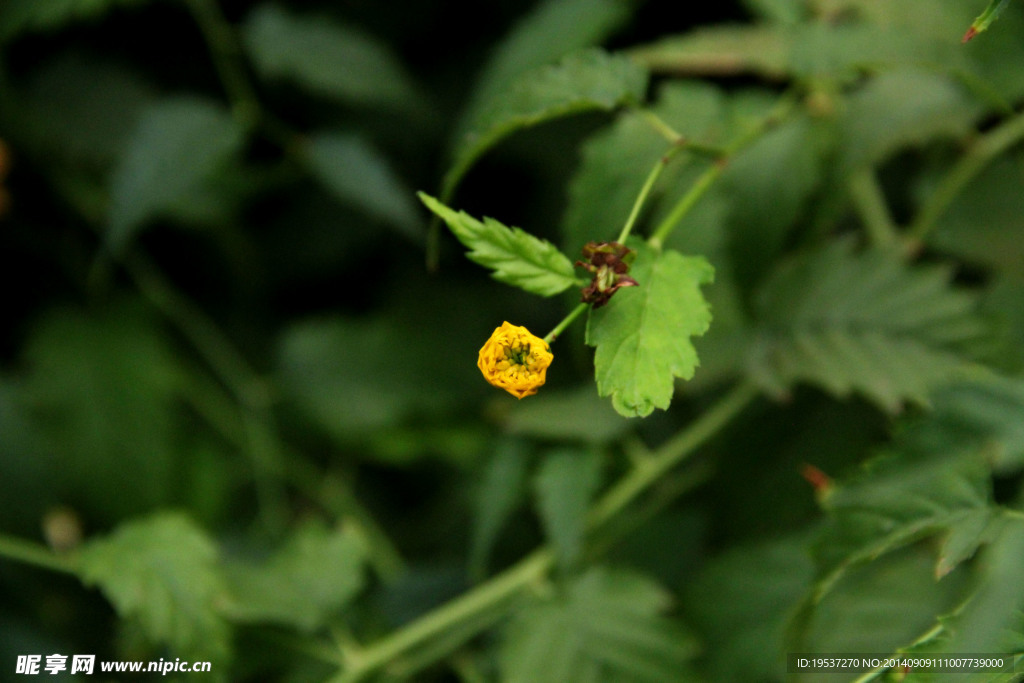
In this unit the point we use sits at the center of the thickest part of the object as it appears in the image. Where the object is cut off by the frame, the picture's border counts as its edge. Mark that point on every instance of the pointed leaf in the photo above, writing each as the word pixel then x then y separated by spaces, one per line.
pixel 564 486
pixel 862 322
pixel 581 82
pixel 516 257
pixel 173 151
pixel 499 492
pixel 303 584
pixel 327 58
pixel 162 570
pixel 359 175
pixel 605 627
pixel 643 335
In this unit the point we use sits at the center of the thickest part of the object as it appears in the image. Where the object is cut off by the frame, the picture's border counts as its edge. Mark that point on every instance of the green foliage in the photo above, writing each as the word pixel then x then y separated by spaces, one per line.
pixel 607 626
pixel 303 584
pixel 239 405
pixel 583 81
pixel 516 257
pixel 161 571
pixel 175 149
pixel 338 62
pixel 642 335
pixel 862 322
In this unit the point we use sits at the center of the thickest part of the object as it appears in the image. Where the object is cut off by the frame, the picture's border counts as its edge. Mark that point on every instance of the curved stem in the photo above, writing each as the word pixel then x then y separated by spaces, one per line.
pixel 981 154
pixel 566 321
pixel 870 203
pixel 641 198
pixel 494 595
pixel 707 179
pixel 35 554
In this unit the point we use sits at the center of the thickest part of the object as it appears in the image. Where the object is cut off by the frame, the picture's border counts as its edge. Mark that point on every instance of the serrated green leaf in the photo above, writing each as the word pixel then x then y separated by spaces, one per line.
pixel 162 571
pixel 564 485
pixel 329 59
pixel 21 16
pixel 862 322
pixel 899 498
pixel 993 620
pixel 500 491
pixel 304 584
pixel 643 335
pixel 357 174
pixel 516 257
pixel 174 150
pixel 965 536
pixel 605 627
pixel 584 81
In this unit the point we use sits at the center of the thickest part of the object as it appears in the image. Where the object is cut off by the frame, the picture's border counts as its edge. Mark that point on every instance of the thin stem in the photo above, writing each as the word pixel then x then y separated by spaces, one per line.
pixel 35 554
pixel 984 150
pixel 486 596
pixel 226 54
pixel 641 198
pixel 496 592
pixel 566 321
pixel 871 206
pixel 659 124
pixel 708 178
pixel 670 454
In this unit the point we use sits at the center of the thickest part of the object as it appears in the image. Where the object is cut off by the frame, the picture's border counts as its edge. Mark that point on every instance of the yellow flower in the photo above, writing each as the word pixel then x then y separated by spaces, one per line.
pixel 515 360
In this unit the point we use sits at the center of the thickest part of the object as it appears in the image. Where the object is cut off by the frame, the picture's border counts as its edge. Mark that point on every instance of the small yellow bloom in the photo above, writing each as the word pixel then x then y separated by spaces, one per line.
pixel 515 360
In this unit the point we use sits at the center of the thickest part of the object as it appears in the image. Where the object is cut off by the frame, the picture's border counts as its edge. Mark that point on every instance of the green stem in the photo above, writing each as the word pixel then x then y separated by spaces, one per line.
pixel 659 124
pixel 641 198
pixel 871 205
pixel 486 596
pixel 35 554
pixel 226 54
pixel 566 321
pixel 708 178
pixel 670 454
pixel 496 592
pixel 985 149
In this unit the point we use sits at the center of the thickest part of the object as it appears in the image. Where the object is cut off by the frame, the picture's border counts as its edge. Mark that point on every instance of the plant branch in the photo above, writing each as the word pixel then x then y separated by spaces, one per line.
pixel 870 203
pixel 708 178
pixel 35 554
pixel 566 321
pixel 984 150
pixel 498 591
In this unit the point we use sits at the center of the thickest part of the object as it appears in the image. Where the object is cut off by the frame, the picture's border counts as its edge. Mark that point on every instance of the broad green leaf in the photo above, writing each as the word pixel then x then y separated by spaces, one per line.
pixel 516 257
pixel 175 149
pixel 21 16
pixel 162 571
pixel 102 389
pixel 304 584
pixel 643 335
pixel 605 626
pixel 742 614
pixel 564 485
pixel 879 607
pixel 862 322
pixel 500 491
pixel 993 619
pixel 899 498
pixel 552 29
pixel 336 61
pixel 359 175
pixel 583 81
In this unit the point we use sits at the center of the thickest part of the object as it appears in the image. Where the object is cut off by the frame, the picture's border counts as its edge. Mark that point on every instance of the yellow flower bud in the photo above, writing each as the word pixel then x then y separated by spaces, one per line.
pixel 515 360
